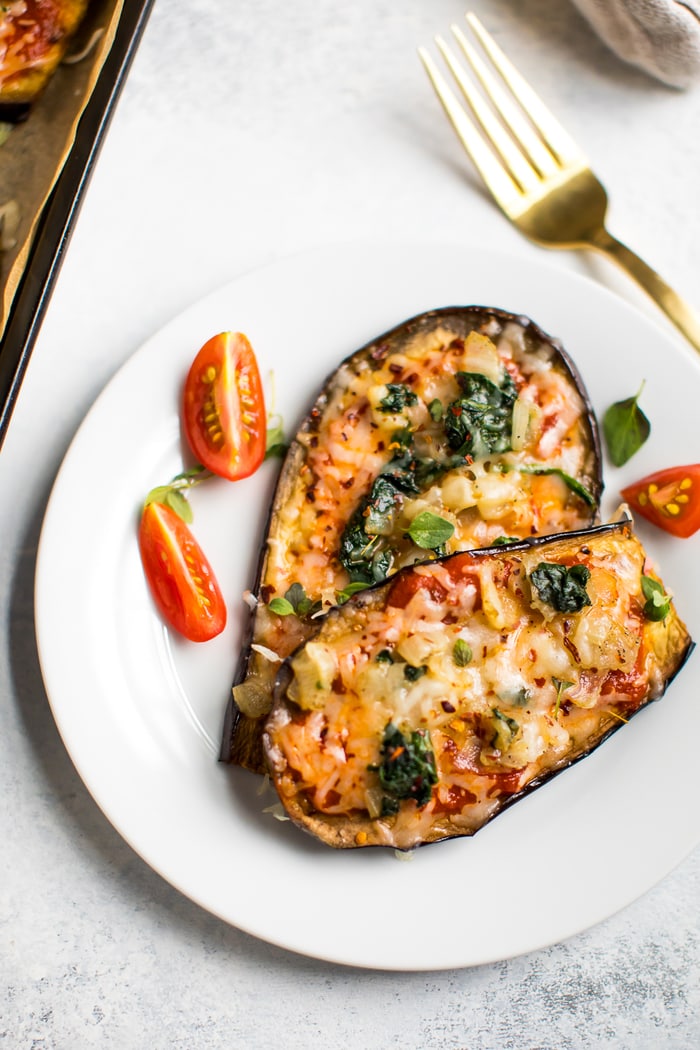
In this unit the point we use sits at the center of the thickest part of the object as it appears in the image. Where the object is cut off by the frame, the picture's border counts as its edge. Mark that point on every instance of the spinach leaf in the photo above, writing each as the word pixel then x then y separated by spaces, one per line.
pixel 381 506
pixel 363 552
pixel 407 769
pixel 412 674
pixel 626 428
pixel 481 421
pixel 505 730
pixel 561 586
pixel 658 603
pixel 430 531
pixel 365 558
pixel 398 397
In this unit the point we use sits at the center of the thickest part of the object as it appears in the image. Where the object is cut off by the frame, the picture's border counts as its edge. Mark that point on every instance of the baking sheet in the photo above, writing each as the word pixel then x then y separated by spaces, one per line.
pixel 44 165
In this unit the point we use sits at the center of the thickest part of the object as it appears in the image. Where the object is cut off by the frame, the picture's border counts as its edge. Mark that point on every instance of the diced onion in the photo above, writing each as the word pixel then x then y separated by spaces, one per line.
pixel 481 355
pixel 267 654
pixel 521 424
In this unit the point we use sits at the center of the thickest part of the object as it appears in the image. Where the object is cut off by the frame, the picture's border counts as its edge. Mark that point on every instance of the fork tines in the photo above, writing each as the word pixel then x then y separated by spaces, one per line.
pixel 530 142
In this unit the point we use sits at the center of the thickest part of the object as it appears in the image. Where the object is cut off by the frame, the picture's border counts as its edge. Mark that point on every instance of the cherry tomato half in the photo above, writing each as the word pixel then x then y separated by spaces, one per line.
pixel 182 583
pixel 670 499
pixel 224 407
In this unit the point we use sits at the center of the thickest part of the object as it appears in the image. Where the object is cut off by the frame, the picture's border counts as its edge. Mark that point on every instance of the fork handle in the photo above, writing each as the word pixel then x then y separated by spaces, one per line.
pixel 676 309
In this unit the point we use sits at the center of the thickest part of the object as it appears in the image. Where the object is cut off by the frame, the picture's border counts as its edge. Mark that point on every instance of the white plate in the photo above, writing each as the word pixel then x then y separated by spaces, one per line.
pixel 140 711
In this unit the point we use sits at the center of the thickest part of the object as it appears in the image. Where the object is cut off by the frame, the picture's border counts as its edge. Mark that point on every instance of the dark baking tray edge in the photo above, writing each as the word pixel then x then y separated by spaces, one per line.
pixel 61 210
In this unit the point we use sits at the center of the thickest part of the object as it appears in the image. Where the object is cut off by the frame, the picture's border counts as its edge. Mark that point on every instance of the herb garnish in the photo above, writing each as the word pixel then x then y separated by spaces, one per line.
pixel 430 531
pixel 173 494
pixel 407 769
pixel 276 443
pixel 347 592
pixel 295 601
pixel 658 603
pixel 561 586
pixel 626 428
pixel 461 653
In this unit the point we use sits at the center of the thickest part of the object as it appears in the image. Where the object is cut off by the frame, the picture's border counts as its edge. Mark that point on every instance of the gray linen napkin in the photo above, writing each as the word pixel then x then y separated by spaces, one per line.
pixel 662 37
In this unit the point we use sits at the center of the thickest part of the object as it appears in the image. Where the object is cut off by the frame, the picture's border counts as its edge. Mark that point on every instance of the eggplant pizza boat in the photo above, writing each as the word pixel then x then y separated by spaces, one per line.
pixel 458 428
pixel 425 705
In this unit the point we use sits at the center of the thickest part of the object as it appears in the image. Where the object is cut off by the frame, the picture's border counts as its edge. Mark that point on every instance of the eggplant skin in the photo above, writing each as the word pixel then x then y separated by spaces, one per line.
pixel 350 441
pixel 34 36
pixel 428 704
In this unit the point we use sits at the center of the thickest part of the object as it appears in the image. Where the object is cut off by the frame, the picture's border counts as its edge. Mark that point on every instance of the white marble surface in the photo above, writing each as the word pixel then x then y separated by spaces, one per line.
pixel 247 132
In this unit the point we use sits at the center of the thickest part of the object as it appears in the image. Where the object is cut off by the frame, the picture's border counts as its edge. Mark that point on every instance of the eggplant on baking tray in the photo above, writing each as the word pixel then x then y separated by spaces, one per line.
pixel 425 705
pixel 455 429
pixel 34 36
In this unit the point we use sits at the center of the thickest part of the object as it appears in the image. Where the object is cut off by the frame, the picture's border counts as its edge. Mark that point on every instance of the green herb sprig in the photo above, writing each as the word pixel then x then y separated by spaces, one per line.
pixel 173 494
pixel 658 603
pixel 430 531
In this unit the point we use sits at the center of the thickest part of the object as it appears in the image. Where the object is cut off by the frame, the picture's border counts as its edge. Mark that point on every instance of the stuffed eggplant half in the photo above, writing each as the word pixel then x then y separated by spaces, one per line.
pixel 453 431
pixel 424 706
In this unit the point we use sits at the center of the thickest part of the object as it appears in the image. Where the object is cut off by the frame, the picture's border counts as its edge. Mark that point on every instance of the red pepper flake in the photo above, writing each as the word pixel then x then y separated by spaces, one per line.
pixel 379 352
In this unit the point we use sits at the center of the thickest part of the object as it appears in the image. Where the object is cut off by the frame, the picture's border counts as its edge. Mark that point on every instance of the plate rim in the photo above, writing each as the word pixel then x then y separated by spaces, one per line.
pixel 150 346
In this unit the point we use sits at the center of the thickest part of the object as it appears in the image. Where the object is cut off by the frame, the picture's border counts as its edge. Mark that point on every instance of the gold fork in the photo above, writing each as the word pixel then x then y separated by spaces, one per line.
pixel 534 170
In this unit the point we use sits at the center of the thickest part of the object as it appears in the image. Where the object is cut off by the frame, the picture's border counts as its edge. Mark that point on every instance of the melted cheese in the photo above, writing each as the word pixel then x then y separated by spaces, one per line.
pixel 540 687
pixel 352 439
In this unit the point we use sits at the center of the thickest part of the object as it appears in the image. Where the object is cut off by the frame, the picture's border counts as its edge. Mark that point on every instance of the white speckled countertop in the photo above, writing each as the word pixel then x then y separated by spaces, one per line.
pixel 246 132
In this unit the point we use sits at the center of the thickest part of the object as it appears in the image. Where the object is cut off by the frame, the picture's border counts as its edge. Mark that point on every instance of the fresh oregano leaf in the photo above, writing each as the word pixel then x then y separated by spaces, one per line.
pixel 461 653
pixel 347 592
pixel 626 428
pixel 173 494
pixel 658 603
pixel 430 530
pixel 276 443
pixel 178 502
pixel 281 606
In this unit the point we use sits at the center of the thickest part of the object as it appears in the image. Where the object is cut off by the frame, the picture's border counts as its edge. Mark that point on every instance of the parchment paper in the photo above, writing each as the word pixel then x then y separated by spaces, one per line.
pixel 35 151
